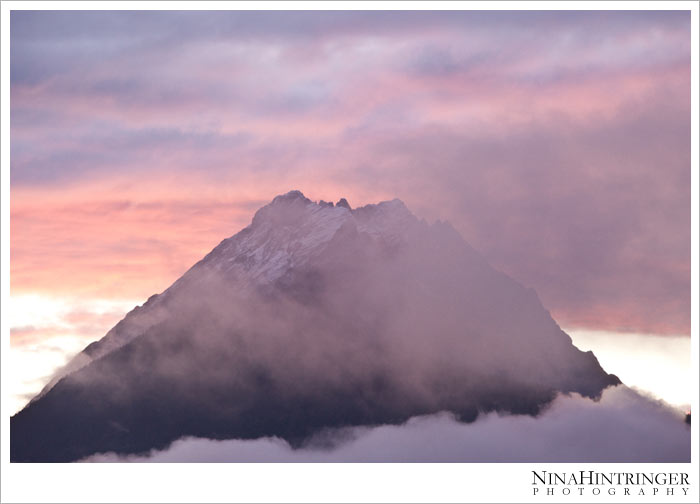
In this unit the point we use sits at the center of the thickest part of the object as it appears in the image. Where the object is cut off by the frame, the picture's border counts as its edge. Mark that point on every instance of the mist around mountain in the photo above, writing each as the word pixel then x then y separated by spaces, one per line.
pixel 313 319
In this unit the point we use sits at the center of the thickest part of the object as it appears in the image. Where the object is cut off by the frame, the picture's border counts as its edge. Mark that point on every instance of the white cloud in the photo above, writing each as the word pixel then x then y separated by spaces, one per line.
pixel 46 332
pixel 657 364
pixel 623 426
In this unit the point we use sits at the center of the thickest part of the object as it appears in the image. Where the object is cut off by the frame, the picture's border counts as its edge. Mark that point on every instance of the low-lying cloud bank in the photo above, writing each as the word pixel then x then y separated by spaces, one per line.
pixel 623 426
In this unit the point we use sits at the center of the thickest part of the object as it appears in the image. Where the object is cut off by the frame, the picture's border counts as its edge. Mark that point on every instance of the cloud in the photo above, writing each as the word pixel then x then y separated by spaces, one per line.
pixel 658 364
pixel 113 33
pixel 152 239
pixel 574 210
pixel 557 143
pixel 47 331
pixel 623 426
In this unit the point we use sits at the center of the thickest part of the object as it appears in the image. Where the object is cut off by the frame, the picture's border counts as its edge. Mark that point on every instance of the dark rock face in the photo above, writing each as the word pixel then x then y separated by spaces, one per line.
pixel 314 317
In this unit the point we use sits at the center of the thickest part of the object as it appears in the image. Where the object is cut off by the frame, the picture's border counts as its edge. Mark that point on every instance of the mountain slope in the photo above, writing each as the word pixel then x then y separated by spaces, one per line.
pixel 313 317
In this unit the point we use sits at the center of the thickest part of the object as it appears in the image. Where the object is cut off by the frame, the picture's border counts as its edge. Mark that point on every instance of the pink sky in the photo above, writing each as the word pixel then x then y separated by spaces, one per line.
pixel 557 143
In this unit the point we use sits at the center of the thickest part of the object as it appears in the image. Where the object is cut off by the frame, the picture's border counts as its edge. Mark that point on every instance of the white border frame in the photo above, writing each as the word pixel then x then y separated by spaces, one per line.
pixel 315 482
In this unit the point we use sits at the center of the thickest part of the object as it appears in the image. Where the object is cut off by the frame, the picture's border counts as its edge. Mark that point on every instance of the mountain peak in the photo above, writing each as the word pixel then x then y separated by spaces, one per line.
pixel 395 204
pixel 294 195
pixel 313 317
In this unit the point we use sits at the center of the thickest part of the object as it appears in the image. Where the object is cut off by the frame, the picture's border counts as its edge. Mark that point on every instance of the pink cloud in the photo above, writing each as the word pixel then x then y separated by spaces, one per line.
pixel 562 156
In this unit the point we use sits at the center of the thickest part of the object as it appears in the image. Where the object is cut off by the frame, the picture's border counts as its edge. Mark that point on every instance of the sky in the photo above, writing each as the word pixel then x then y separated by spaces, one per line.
pixel 556 143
